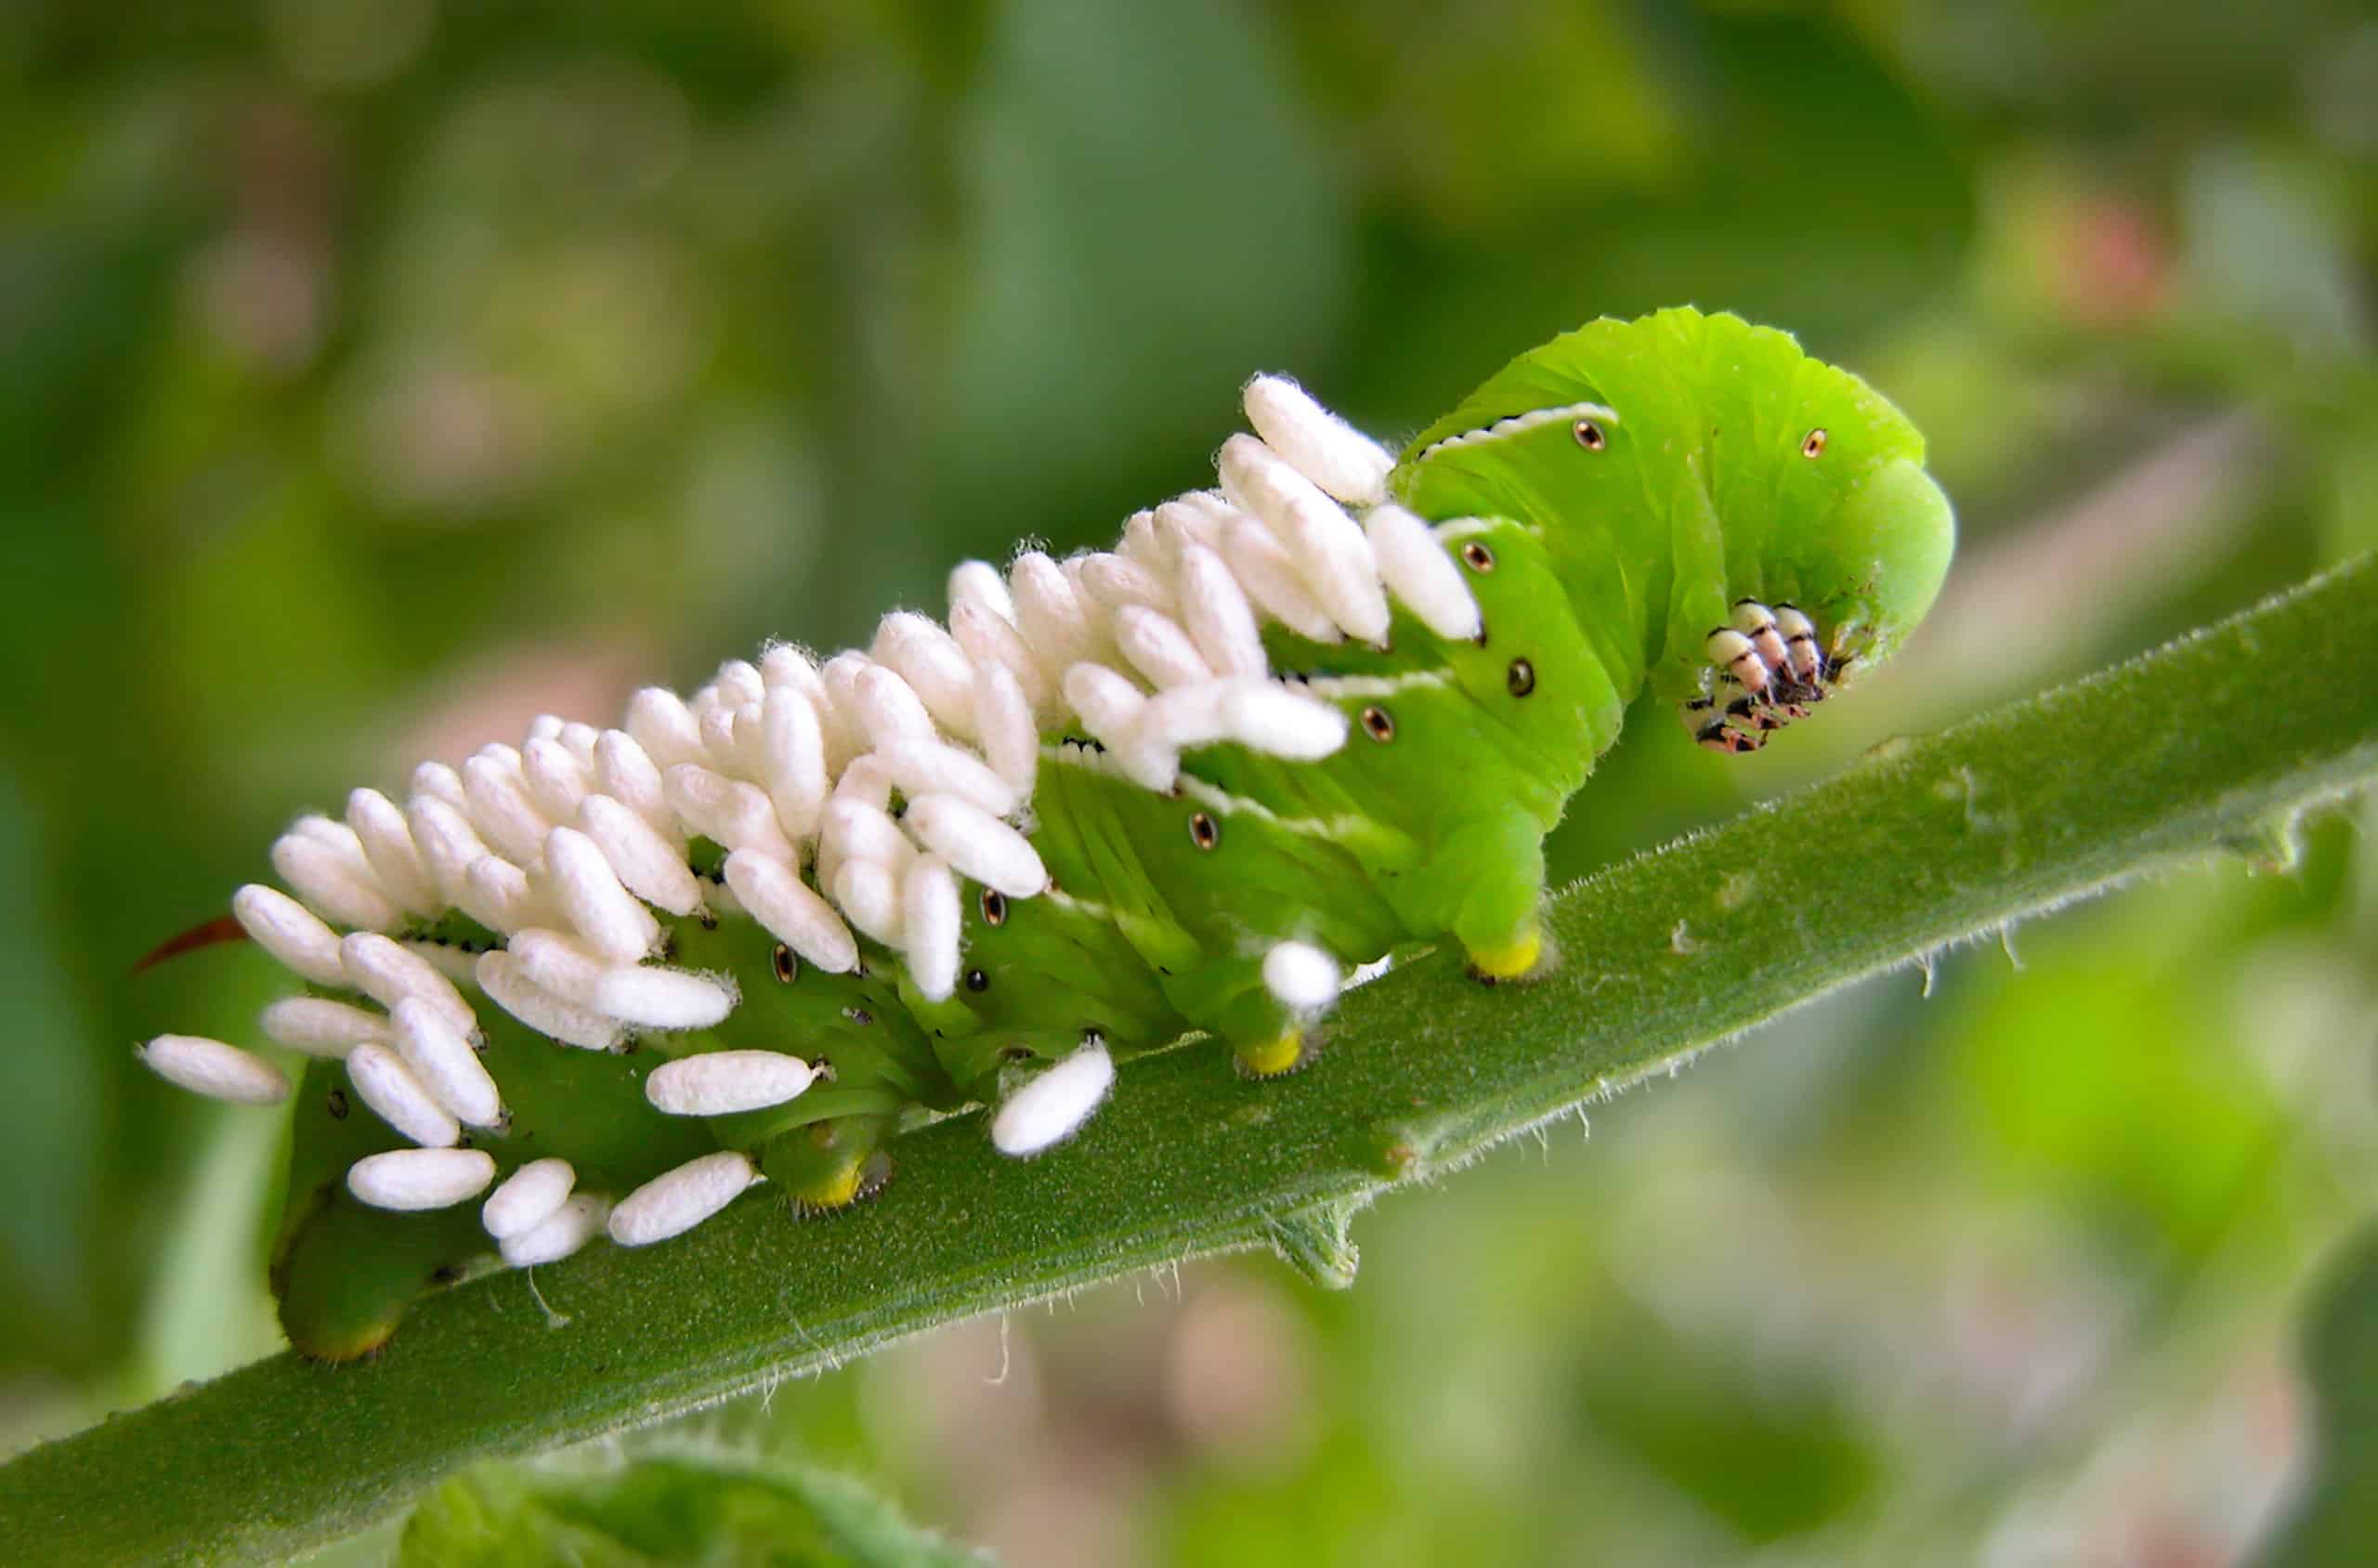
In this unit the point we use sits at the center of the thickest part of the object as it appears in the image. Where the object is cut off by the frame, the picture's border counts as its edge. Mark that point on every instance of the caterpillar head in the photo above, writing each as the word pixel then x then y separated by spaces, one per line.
pixel 1758 523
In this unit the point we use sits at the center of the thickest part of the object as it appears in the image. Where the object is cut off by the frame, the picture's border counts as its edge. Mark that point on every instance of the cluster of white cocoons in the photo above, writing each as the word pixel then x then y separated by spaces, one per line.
pixel 568 845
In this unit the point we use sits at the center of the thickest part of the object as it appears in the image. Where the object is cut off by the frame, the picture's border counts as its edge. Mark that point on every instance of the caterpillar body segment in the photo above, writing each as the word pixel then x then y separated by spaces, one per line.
pixel 1287 726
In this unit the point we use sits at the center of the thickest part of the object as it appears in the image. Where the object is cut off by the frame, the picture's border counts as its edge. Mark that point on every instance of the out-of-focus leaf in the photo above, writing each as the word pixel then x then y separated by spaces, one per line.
pixel 2336 1525
pixel 685 1506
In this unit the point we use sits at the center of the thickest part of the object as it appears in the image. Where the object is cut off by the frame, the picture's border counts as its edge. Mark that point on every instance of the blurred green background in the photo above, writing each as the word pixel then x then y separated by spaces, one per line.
pixel 377 373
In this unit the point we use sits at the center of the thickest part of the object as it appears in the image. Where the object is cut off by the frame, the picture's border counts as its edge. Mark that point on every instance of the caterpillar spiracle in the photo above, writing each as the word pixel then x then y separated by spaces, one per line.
pixel 601 984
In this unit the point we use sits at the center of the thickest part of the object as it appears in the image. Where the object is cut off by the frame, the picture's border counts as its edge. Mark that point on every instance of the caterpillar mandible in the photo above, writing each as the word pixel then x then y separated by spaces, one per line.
pixel 602 983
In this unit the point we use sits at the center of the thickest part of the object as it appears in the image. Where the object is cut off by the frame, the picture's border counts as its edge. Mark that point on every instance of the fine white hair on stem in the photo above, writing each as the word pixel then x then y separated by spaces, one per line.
pixel 1300 976
pixel 386 841
pixel 1052 1107
pixel 444 1064
pixel 1417 570
pixel 931 917
pixel 722 1082
pixel 319 1026
pixel 290 932
pixel 578 1219
pixel 399 1098
pixel 332 876
pixel 502 979
pixel 527 1198
pixel 215 1069
pixel 1324 447
pixel 589 891
pixel 775 895
pixel 388 972
pixel 677 1200
pixel 412 1181
pixel 977 846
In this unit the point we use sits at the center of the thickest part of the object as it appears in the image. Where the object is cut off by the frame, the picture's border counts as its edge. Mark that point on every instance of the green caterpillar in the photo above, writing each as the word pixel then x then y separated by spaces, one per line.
pixel 1285 727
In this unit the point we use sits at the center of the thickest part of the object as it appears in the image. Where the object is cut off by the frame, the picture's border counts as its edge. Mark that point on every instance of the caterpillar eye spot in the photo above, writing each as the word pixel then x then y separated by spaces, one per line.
pixel 1477 557
pixel 858 1015
pixel 1589 435
pixel 1378 725
pixel 1812 445
pixel 994 907
pixel 787 968
pixel 1519 677
pixel 977 981
pixel 1203 832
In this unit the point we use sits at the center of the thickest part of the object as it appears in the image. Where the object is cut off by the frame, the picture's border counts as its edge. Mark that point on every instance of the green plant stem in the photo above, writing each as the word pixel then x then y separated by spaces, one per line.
pixel 2216 742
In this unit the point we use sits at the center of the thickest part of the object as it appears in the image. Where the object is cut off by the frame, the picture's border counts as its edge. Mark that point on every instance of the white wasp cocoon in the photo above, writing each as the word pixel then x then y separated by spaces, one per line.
pixel 447 841
pixel 1185 717
pixel 1011 736
pixel 444 1064
pixel 977 846
pixel 560 962
pixel 610 919
pixel 718 1083
pixel 1117 582
pixel 1418 571
pixel 1186 521
pixel 438 781
pixel 739 684
pixel 930 915
pixel 993 643
pixel 1219 618
pixel 290 932
pixel 214 1070
pixel 1272 577
pixel 1053 1106
pixel 579 1220
pixel 527 1198
pixel 932 768
pixel 888 708
pixel 868 891
pixel 501 808
pixel 856 831
pixel 1159 648
pixel 792 912
pixel 319 1026
pixel 625 771
pixel 729 811
pixel 731 739
pixel 1327 545
pixel 677 1200
pixel 664 726
pixel 502 978
pixel 386 840
pixel 399 1098
pixel 545 726
pixel 643 861
pixel 1143 546
pixel 412 1180
pixel 334 878
pixel 1268 717
pixel 936 668
pixel 579 738
pixel 1050 614
pixel 654 998
pixel 792 759
pixel 979 583
pixel 1324 447
pixel 388 973
pixel 497 893
pixel 558 780
pixel 1105 701
pixel 1300 976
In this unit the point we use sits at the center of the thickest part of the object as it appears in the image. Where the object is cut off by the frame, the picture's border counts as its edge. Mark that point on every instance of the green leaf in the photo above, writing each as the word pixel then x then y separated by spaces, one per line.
pixel 2338 1518
pixel 2162 761
pixel 667 1508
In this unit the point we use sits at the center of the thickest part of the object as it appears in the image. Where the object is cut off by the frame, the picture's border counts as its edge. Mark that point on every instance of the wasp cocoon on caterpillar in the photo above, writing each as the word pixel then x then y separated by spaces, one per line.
pixel 605 982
